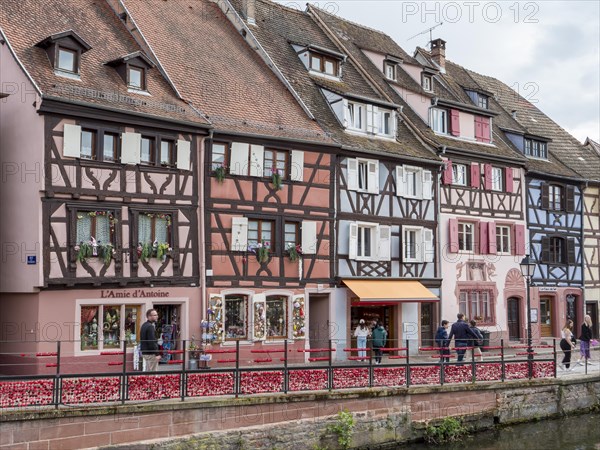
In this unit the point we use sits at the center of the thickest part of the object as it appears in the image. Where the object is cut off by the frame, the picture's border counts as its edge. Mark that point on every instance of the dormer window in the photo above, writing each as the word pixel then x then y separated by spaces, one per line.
pixel 427 82
pixel 133 69
pixel 536 149
pixel 64 51
pixel 324 64
pixel 478 98
pixel 482 101
pixel 390 71
pixel 320 61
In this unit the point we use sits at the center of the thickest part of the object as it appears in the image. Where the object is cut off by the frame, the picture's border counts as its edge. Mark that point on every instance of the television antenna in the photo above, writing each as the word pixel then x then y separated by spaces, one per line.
pixel 430 33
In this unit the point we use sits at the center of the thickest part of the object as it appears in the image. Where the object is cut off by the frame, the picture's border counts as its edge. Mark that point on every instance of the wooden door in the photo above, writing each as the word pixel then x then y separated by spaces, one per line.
pixel 427 321
pixel 514 323
pixel 546 317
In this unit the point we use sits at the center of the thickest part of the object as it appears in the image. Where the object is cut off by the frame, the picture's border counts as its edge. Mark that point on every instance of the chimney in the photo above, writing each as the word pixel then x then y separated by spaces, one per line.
pixel 248 11
pixel 438 53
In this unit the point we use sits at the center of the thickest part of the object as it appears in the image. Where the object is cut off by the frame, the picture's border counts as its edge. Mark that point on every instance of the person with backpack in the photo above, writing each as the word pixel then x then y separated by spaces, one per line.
pixel 379 339
pixel 478 341
pixel 441 341
pixel 463 336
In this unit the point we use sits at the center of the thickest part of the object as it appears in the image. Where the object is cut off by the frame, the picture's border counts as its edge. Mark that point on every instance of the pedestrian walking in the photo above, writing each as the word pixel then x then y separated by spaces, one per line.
pixel 379 340
pixel 148 341
pixel 361 333
pixel 441 340
pixel 584 341
pixel 566 345
pixel 478 341
pixel 463 336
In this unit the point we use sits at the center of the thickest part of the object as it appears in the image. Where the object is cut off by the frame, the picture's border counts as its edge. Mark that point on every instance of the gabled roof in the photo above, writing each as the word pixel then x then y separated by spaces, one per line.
pixel 65 34
pixel 279 26
pixel 94 25
pixel 356 39
pixel 592 144
pixel 132 56
pixel 215 69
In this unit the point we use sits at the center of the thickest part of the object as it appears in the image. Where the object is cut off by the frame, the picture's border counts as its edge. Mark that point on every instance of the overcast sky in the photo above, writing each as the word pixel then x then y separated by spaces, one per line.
pixel 547 50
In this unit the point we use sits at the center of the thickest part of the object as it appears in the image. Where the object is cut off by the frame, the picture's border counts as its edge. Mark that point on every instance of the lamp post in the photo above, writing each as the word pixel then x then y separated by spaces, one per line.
pixel 527 268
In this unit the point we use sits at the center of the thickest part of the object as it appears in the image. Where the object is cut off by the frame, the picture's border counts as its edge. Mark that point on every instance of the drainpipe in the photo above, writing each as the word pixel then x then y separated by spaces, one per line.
pixel 202 235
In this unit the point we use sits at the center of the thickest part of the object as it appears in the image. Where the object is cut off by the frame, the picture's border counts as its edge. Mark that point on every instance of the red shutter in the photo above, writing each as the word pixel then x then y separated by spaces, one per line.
pixel 487 175
pixel 519 239
pixel 478 135
pixel 485 129
pixel 492 246
pixel 453 236
pixel 475 175
pixel 508 181
pixel 455 122
pixel 483 238
pixel 447 174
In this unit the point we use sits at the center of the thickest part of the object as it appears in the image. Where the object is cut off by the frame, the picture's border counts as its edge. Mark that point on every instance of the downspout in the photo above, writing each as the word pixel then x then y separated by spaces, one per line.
pixel 202 235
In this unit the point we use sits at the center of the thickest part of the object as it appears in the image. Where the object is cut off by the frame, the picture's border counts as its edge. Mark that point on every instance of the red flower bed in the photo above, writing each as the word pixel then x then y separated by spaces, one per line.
pixel 489 372
pixel 350 378
pixel 393 376
pixel 90 390
pixel 308 380
pixel 153 387
pixel 517 371
pixel 25 393
pixel 201 384
pixel 543 369
pixel 457 374
pixel 425 375
pixel 261 382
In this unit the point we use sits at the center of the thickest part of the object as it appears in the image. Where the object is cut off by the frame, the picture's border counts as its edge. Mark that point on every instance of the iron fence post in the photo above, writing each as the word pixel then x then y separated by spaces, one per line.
pixel 183 372
pixel 124 372
pixel 407 364
pixel 503 368
pixel 237 377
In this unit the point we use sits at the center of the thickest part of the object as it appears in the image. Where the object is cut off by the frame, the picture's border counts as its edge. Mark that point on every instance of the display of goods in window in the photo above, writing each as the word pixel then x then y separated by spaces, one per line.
pixel 260 323
pixel 298 323
pixel 215 318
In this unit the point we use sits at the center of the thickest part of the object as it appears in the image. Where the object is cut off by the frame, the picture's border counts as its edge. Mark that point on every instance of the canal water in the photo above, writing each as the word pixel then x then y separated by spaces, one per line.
pixel 572 433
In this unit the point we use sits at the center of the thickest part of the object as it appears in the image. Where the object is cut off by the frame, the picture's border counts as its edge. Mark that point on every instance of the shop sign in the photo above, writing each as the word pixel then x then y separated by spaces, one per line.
pixel 138 293
pixel 547 289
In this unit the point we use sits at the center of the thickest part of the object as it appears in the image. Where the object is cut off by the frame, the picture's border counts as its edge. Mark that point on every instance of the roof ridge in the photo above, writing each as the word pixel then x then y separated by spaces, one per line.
pixel 278 5
pixel 348 20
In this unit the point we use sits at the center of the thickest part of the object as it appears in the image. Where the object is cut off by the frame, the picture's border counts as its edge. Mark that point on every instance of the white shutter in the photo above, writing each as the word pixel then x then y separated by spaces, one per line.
pixel 427 185
pixel 238 161
pixel 183 154
pixel 131 146
pixel 373 177
pixel 297 165
pixel 376 120
pixel 309 237
pixel 385 243
pixel 345 113
pixel 239 234
pixel 353 241
pixel 259 317
pixel 72 140
pixel 400 181
pixel 428 251
pixel 257 159
pixel 352 178
pixel 370 124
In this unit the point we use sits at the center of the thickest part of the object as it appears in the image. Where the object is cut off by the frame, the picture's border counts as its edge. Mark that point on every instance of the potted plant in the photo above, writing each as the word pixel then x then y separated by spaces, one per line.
pixel 194 354
pixel 262 252
pixel 294 252
pixel 162 251
pixel 84 251
pixel 107 253
pixel 220 172
pixel 144 251
pixel 276 179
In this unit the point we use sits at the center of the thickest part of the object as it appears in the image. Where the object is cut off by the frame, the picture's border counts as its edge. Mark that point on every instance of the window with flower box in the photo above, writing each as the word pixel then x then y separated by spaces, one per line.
pixel 220 151
pixel 236 317
pixel 94 234
pixel 276 161
pixel 105 327
pixel 154 235
pixel 261 232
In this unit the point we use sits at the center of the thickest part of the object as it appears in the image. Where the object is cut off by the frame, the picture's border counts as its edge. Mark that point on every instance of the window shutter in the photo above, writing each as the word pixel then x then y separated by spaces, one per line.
pixel 370 121
pixel 428 249
pixel 492 246
pixel 519 239
pixel 485 130
pixel 453 235
pixel 508 179
pixel 239 159
pixel 570 199
pixel 183 154
pixel 309 237
pixel 487 175
pixel 483 238
pixel 259 316
pixel 478 129
pixel 373 183
pixel 353 241
pixel 455 122
pixel 257 160
pixel 239 234
pixel 545 249
pixel 72 141
pixel 427 188
pixel 399 181
pixel 545 196
pixel 297 169
pixel 131 146
pixel 475 175
pixel 384 242
pixel 571 251
pixel 352 180
pixel 346 113
pixel 447 173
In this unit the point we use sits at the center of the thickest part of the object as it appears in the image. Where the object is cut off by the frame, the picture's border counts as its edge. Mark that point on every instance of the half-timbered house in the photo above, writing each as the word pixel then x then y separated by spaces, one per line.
pixel 267 186
pixel 555 208
pixel 385 194
pixel 100 201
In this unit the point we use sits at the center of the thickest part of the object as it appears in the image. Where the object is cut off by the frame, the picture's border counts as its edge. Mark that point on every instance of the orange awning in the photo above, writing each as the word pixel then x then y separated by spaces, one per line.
pixel 390 291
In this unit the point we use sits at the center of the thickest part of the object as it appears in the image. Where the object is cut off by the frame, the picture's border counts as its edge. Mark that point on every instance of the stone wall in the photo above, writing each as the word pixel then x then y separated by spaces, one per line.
pixel 295 421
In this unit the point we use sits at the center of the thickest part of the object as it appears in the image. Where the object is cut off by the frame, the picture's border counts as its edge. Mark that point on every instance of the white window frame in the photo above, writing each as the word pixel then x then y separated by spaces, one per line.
pixel 426 83
pixel 465 233
pixel 418 182
pixel 356 121
pixel 417 232
pixel 460 179
pixel 390 67
pixel 497 179
pixel 373 230
pixel 438 120
pixel 503 239
pixel 381 120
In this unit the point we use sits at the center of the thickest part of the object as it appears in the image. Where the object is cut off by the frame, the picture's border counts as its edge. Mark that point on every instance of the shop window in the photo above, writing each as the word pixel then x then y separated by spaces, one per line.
pixel 107 326
pixel 277 317
pixel 236 314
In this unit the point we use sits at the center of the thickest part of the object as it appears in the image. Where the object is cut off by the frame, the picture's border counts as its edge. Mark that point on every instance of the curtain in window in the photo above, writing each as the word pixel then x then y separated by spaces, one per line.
pixel 84 226
pixel 102 229
pixel 161 230
pixel 144 228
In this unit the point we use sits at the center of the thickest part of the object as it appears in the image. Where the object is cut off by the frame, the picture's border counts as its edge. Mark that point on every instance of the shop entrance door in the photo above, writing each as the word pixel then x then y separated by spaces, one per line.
pixel 427 321
pixel 546 316
pixel 319 331
pixel 370 314
pixel 168 330
pixel 514 324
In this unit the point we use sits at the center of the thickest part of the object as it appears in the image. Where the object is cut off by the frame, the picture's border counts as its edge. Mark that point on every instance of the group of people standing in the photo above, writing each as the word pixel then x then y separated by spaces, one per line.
pixel 378 334
pixel 464 335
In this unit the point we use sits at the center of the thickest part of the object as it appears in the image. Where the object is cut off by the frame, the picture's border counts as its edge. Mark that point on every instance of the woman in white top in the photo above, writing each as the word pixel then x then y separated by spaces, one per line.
pixel 566 345
pixel 361 334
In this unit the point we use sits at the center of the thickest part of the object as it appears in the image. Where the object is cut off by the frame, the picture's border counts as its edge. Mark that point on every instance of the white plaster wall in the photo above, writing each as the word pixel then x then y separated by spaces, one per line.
pixel 419 103
pixel 467 125
pixel 413 71
pixel 376 58
pixel 338 311
pixel 22 162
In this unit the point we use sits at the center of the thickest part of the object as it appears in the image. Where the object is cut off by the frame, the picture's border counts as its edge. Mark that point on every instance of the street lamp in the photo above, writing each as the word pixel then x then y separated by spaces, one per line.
pixel 527 268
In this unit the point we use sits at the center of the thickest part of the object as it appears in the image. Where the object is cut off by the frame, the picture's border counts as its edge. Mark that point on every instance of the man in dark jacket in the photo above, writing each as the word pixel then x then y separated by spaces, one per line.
pixel 148 341
pixel 462 334
pixel 379 338
pixel 441 340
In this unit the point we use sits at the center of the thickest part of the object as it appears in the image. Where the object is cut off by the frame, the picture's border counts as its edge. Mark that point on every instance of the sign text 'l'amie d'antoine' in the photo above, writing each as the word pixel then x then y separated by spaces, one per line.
pixel 138 293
